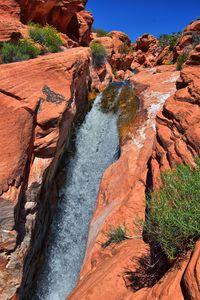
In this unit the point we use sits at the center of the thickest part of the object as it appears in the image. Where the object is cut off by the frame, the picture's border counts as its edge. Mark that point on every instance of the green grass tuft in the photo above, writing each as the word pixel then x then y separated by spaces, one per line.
pixel 115 236
pixel 173 218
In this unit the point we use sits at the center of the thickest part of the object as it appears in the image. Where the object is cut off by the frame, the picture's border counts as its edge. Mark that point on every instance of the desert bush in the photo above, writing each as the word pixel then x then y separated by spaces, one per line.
pixel 100 32
pixel 173 215
pixel 99 54
pixel 165 40
pixel 24 49
pixel 115 236
pixel 181 60
pixel 46 36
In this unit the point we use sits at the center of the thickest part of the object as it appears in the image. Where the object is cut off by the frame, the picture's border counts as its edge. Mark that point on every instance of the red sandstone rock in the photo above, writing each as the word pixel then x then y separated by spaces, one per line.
pixel 181 282
pixel 68 17
pixel 191 278
pixel 101 76
pixel 194 57
pixel 147 51
pixel 194 26
pixel 178 127
pixel 39 100
pixel 10 25
pixel 146 42
pixel 118 47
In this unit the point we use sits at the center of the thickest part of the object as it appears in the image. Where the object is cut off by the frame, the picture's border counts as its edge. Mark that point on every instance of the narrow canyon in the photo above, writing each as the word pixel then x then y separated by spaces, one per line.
pixel 92 124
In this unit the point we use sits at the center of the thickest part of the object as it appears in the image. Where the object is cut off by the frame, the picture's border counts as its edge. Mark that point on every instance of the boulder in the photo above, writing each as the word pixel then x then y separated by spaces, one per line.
pixel 146 52
pixel 146 43
pixel 101 77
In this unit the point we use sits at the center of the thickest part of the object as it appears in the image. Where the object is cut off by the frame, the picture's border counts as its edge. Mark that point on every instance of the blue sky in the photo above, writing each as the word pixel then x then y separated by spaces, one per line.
pixel 137 17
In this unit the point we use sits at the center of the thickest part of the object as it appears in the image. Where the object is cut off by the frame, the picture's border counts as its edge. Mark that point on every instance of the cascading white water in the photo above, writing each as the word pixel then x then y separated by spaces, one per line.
pixel 97 145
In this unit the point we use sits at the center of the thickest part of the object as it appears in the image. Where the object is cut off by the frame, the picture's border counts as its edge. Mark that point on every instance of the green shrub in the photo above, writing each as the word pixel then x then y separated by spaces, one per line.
pixel 100 32
pixel 99 54
pixel 115 236
pixel 165 40
pixel 24 49
pixel 46 36
pixel 181 60
pixel 173 218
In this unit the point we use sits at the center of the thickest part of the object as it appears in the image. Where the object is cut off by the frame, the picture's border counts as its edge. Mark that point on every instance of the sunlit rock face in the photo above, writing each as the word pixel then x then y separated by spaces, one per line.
pixel 69 17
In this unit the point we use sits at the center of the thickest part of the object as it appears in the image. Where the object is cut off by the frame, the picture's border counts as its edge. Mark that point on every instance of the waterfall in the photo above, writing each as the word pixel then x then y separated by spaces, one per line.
pixel 97 144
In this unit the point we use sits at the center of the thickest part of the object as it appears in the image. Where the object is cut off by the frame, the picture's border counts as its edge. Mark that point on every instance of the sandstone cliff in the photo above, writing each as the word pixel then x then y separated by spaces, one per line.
pixel 37 112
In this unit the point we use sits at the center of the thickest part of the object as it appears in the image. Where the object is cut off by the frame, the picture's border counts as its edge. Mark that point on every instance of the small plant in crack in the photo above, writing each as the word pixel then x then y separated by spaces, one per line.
pixel 115 236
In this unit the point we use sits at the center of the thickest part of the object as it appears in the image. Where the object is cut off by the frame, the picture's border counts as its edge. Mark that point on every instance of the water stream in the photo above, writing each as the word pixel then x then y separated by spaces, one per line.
pixel 97 144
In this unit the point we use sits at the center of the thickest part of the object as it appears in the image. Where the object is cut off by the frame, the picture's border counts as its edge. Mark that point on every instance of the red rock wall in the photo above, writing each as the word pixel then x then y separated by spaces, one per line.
pixel 69 17
pixel 39 101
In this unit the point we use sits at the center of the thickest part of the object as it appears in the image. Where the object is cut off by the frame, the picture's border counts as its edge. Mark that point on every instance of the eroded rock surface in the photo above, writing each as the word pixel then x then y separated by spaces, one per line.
pixel 39 101
pixel 178 125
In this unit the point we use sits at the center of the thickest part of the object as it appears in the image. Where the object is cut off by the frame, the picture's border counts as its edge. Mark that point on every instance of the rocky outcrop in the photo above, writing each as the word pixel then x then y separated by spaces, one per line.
pixel 146 52
pixel 186 42
pixel 10 26
pixel 194 56
pixel 101 77
pixel 40 99
pixel 119 58
pixel 69 17
pixel 180 283
pixel 121 198
pixel 194 26
pixel 178 141
pixel 119 49
pixel 178 131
